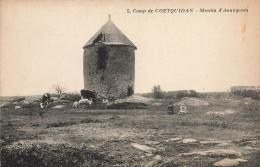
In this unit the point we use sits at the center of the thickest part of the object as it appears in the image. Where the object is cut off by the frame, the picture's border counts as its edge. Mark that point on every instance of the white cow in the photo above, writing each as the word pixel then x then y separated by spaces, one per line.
pixel 85 101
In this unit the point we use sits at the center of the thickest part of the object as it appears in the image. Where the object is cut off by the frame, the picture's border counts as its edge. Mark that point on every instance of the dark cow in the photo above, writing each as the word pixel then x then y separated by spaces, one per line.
pixel 88 94
pixel 45 100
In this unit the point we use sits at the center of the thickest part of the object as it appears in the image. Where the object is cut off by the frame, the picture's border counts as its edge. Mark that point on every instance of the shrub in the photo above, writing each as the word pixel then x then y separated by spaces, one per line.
pixel 70 96
pixel 73 97
pixel 60 124
pixel 180 95
pixel 185 93
pixel 127 106
pixel 170 94
pixel 89 120
pixel 48 155
pixel 193 93
pixel 251 93
pixel 18 99
pixel 157 92
pixel 247 93
pixel 251 106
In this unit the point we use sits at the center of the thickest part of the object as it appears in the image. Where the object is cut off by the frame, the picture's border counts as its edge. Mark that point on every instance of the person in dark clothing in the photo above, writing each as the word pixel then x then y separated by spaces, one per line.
pixel 170 108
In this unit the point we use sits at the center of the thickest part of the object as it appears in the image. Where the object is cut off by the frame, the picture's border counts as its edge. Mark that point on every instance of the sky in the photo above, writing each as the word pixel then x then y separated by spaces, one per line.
pixel 41 43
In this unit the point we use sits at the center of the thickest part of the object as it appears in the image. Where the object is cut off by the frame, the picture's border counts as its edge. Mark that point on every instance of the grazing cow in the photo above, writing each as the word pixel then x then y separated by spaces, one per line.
pixel 88 94
pixel 45 100
pixel 75 104
pixel 85 101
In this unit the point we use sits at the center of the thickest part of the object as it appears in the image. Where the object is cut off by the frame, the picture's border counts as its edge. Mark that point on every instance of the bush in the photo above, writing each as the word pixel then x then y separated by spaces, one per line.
pixel 185 93
pixel 127 106
pixel 73 97
pixel 247 93
pixel 18 99
pixel 60 124
pixel 251 106
pixel 89 120
pixel 193 93
pixel 70 96
pixel 48 155
pixel 157 92
pixel 170 94
pixel 181 95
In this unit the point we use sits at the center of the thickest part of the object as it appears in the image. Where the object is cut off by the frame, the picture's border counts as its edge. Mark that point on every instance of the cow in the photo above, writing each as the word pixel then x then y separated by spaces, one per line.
pixel 88 94
pixel 86 101
pixel 45 100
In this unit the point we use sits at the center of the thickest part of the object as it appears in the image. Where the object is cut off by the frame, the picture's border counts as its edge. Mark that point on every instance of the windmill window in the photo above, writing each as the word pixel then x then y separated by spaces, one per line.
pixel 102 58
pixel 98 38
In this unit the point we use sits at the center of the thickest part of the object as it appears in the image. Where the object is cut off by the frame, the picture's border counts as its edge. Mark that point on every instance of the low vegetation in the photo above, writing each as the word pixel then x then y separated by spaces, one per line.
pixel 254 94
pixel 158 93
pixel 100 136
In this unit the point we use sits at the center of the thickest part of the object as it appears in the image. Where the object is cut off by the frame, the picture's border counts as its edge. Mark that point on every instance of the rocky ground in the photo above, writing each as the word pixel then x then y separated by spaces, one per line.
pixel 216 131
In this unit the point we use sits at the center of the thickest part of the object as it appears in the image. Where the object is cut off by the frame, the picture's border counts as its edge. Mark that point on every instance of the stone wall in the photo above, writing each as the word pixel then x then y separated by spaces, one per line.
pixel 119 74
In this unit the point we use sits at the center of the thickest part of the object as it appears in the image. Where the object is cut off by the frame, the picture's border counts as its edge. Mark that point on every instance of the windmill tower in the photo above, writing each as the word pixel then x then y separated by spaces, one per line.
pixel 109 63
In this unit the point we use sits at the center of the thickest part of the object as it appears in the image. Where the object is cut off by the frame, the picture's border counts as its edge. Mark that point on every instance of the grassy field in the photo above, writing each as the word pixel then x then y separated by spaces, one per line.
pixel 32 136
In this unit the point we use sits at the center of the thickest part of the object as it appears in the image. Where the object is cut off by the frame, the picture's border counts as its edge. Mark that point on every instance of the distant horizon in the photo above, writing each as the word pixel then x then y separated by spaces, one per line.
pixel 69 92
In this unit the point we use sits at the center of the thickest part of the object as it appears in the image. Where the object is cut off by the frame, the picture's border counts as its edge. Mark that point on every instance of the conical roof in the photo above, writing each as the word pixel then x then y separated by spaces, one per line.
pixel 109 34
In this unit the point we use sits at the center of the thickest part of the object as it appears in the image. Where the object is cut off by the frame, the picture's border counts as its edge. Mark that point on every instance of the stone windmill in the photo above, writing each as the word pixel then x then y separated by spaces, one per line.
pixel 109 63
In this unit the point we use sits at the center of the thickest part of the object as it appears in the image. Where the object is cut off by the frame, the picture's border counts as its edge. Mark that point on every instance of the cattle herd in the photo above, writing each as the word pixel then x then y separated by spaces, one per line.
pixel 88 97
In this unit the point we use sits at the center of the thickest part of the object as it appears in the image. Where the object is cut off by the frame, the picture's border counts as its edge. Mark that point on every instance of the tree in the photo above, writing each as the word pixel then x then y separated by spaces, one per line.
pixel 157 92
pixel 59 89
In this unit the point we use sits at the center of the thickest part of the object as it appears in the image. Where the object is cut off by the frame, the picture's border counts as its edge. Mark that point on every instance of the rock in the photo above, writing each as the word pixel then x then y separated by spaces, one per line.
pixel 212 142
pixel 174 139
pixel 15 102
pixel 151 142
pixel 17 107
pixel 24 102
pixel 226 112
pixel 156 104
pixel 189 141
pixel 143 147
pixel 92 146
pixel 157 157
pixel 229 162
pixel 241 160
pixel 114 117
pixel 214 153
pixel 2 141
pixel 59 106
pixel 148 155
pixel 134 99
